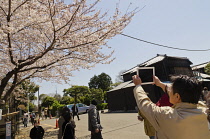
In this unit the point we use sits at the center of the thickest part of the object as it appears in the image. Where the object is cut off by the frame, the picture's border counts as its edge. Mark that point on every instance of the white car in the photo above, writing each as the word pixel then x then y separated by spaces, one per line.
pixel 82 108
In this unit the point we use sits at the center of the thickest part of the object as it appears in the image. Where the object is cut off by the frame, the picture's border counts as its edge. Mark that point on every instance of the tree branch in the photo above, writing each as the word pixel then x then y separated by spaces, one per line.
pixel 71 19
pixel 11 88
pixel 19 7
pixel 3 11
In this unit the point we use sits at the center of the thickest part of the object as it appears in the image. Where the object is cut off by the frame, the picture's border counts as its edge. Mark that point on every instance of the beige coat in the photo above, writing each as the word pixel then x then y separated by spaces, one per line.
pixel 182 121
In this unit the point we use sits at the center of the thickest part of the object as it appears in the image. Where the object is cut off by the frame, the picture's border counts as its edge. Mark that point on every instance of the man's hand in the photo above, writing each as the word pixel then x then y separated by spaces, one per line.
pixel 157 81
pixel 136 80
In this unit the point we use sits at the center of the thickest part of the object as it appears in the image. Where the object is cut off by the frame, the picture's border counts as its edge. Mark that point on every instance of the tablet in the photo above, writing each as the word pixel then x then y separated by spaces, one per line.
pixel 146 74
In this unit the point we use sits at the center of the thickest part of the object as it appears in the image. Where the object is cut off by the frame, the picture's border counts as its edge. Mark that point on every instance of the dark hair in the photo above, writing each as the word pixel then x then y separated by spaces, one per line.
pixel 94 102
pixel 188 88
pixel 67 117
pixel 35 121
pixel 205 88
pixel 65 110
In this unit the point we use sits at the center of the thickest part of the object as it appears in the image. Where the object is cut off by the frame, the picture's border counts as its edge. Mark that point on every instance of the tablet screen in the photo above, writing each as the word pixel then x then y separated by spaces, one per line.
pixel 146 74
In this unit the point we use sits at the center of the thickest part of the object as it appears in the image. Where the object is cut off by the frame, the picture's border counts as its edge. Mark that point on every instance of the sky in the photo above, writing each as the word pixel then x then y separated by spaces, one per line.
pixel 180 24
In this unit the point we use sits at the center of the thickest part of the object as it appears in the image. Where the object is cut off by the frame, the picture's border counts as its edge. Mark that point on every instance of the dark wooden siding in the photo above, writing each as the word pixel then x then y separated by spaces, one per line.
pixel 123 99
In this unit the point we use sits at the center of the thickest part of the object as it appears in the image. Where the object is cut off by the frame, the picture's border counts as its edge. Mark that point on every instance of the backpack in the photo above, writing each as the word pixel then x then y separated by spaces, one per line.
pixel 69 128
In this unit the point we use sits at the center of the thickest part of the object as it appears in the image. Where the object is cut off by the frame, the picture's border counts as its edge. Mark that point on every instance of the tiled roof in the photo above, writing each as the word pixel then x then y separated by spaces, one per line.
pixel 130 70
pixel 153 60
pixel 205 75
pixel 122 85
pixel 199 66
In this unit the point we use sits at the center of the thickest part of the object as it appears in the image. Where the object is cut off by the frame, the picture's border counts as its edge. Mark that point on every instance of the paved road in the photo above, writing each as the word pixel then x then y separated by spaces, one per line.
pixel 116 126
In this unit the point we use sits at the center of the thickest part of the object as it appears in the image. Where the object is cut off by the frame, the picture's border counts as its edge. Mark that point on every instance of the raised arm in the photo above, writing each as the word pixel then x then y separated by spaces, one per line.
pixel 160 84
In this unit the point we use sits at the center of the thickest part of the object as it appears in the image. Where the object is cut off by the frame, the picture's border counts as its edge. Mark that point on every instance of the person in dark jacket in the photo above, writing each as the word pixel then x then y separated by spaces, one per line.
pixel 75 111
pixel 25 120
pixel 68 131
pixel 37 132
pixel 61 120
pixel 94 124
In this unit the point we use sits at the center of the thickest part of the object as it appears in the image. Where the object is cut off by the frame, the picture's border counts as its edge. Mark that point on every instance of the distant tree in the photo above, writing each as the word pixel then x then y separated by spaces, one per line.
pixel 67 100
pixel 30 88
pixel 32 107
pixel 207 69
pixel 25 90
pixel 58 97
pixel 115 84
pixel 48 102
pixel 102 81
pixel 94 82
pixel 119 78
pixel 97 94
pixel 42 97
pixel 76 91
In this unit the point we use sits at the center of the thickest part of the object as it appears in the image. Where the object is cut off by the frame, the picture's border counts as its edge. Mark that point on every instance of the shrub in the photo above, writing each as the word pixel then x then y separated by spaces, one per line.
pixel 102 106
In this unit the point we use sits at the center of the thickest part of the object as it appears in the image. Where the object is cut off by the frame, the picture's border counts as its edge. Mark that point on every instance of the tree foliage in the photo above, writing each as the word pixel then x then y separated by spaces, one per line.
pixel 58 97
pixel 48 39
pixel 48 101
pixel 42 97
pixel 97 94
pixel 115 84
pixel 102 81
pixel 77 91
pixel 67 100
pixel 207 69
pixel 23 90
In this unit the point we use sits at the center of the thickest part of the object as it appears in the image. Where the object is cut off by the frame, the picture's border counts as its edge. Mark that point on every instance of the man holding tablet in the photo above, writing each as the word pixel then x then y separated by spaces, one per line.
pixel 185 119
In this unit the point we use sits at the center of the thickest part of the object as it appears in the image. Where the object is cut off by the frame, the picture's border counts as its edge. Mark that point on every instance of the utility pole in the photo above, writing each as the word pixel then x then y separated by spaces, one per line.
pixel 28 106
pixel 39 110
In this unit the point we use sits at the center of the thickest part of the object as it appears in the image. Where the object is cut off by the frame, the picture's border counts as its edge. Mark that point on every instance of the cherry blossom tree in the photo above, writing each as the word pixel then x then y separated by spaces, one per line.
pixel 48 39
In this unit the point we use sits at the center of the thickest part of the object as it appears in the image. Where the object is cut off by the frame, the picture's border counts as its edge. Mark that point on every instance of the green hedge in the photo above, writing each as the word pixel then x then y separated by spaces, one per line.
pixel 102 106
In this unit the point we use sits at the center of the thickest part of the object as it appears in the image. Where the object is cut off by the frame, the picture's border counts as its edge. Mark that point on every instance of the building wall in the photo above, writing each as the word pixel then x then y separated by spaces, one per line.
pixel 124 100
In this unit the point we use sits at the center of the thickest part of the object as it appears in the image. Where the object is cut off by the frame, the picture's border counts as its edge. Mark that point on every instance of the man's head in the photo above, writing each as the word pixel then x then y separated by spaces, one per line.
pixel 94 102
pixel 185 89
pixel 65 110
pixel 205 88
pixel 67 117
pixel 36 123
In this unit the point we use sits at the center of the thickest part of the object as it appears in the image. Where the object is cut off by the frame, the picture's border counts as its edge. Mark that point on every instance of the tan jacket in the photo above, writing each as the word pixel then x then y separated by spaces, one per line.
pixel 181 121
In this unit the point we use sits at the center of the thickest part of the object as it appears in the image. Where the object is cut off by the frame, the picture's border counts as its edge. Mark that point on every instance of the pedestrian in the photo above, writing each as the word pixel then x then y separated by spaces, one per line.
pixel 185 119
pixel 61 120
pixel 32 118
pixel 25 120
pixel 37 132
pixel 205 93
pixel 68 127
pixel 94 124
pixel 45 113
pixel 75 111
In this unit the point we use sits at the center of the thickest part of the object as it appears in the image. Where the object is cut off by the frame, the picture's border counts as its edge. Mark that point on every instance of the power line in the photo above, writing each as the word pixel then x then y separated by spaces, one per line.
pixel 162 45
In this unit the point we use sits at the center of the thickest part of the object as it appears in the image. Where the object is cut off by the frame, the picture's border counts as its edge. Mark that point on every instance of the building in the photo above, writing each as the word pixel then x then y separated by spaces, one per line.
pixel 200 74
pixel 122 98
